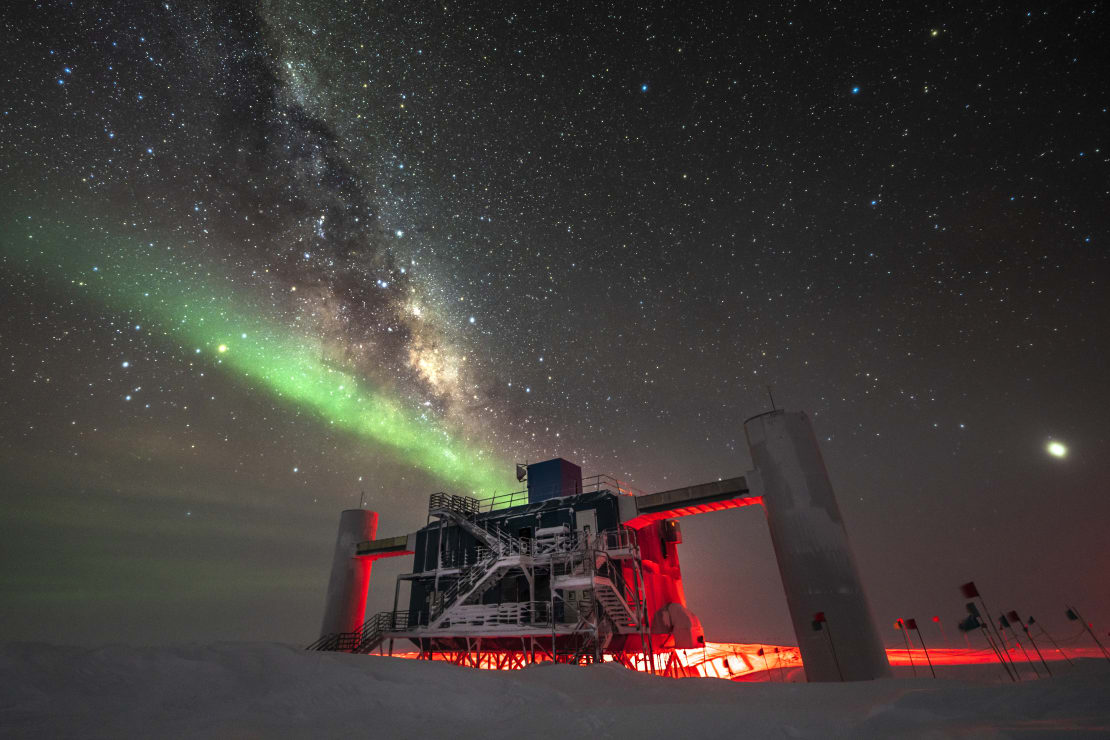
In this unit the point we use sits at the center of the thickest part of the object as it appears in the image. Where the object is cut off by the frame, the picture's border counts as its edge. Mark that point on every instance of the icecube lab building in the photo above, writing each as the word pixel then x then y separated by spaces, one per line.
pixel 579 570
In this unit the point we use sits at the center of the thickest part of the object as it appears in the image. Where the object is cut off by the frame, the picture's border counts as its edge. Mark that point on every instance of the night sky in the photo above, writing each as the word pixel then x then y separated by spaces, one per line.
pixel 260 259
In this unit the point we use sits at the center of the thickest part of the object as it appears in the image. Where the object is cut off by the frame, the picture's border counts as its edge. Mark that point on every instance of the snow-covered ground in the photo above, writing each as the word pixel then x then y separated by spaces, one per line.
pixel 236 690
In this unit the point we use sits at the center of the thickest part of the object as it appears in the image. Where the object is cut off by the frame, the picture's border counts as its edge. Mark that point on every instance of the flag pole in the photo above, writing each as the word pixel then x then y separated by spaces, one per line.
pixel 836 660
pixel 1044 632
pixel 906 637
pixel 997 652
pixel 1031 640
pixel 970 591
pixel 1003 623
pixel 1001 642
pixel 1090 631
pixel 917 629
pixel 975 620
pixel 819 622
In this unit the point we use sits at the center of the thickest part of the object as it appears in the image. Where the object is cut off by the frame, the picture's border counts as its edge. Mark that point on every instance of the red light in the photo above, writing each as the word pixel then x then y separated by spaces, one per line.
pixel 645 519
pixel 732 660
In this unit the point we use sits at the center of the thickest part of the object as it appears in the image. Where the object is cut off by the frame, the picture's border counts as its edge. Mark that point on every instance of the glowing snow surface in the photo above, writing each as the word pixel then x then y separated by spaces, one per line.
pixel 267 690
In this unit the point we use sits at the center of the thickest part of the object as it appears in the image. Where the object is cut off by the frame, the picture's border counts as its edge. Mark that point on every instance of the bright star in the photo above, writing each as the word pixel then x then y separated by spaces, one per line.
pixel 222 348
pixel 643 87
pixel 1057 449
pixel 855 90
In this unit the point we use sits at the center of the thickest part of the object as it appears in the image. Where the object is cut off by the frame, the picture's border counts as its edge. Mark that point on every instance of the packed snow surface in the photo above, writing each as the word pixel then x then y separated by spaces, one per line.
pixel 235 690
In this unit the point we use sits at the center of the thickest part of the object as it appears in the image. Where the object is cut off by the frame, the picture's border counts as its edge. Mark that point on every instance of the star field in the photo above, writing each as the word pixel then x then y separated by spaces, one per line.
pixel 261 260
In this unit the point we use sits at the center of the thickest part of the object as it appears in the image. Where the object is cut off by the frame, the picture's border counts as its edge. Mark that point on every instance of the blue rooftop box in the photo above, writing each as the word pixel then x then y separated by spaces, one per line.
pixel 553 478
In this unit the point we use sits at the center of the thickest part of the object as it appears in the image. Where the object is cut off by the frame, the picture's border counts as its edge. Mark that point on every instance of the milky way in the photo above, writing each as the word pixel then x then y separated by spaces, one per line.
pixel 598 233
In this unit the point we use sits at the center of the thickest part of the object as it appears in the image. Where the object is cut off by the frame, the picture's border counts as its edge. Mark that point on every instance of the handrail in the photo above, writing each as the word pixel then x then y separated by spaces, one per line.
pixel 466 580
pixel 590 484
pixel 515 612
pixel 365 638
pixel 324 642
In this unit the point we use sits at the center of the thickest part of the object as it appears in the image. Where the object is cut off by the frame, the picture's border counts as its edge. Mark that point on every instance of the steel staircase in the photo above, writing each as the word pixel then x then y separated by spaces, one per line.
pixel 461 510
pixel 367 638
pixel 616 608
pixel 469 582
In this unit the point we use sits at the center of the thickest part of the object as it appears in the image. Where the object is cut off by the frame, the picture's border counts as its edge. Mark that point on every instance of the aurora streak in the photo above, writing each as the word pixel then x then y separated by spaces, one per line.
pixel 202 308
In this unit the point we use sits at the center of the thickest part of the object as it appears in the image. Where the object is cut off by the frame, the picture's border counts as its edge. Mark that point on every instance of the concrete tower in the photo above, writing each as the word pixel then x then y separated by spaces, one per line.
pixel 818 570
pixel 345 606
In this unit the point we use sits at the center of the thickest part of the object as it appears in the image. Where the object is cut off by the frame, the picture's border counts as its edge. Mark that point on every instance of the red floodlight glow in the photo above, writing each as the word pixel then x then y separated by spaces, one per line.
pixel 729 660
pixel 733 503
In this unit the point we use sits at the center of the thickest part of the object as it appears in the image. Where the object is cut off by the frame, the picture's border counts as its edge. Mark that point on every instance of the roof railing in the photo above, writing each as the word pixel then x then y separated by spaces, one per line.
pixel 591 484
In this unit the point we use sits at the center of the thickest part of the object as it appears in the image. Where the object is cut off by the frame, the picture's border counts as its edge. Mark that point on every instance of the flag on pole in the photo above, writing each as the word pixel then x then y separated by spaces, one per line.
pixel 911 624
pixel 1013 617
pixel 972 609
pixel 818 620
pixel 969 624
pixel 1072 615
pixel 969 591
pixel 1003 623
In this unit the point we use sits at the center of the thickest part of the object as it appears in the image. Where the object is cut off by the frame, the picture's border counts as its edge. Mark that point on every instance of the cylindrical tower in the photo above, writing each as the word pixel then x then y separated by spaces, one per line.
pixel 345 607
pixel 818 570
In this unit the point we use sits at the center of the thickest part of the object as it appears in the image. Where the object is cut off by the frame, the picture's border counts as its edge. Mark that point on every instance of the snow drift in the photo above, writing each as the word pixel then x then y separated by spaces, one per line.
pixel 270 690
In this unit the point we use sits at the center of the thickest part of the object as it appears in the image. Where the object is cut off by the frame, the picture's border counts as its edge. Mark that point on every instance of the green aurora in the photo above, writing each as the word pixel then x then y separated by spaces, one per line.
pixel 206 312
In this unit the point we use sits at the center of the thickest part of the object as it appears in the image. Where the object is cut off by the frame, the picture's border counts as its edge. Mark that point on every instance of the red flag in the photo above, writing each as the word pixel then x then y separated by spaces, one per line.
pixel 1013 616
pixel 969 590
pixel 911 624
pixel 819 617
